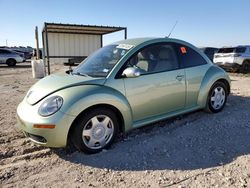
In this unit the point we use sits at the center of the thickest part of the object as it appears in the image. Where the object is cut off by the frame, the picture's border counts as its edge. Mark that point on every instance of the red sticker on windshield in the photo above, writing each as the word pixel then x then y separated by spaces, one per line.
pixel 183 50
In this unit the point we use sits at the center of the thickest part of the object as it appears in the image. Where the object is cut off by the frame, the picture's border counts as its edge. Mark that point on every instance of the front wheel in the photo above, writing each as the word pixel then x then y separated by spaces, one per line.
pixel 95 130
pixel 217 97
pixel 11 62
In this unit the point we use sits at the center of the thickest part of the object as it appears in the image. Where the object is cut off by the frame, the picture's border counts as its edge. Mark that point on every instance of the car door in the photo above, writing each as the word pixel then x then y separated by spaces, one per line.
pixel 4 55
pixel 195 66
pixel 160 89
pixel 1 56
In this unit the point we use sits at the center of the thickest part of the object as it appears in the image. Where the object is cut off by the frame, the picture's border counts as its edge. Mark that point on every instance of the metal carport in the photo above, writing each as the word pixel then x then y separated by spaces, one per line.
pixel 64 41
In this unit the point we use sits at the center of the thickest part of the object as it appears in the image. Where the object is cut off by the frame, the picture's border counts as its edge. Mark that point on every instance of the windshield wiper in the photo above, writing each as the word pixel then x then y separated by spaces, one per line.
pixel 80 74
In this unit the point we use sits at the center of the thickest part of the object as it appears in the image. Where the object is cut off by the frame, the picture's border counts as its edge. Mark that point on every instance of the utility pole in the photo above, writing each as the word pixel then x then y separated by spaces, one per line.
pixel 6 42
pixel 37 43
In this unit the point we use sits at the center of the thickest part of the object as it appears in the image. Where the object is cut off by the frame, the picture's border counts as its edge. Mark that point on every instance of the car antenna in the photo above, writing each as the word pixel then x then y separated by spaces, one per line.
pixel 172 29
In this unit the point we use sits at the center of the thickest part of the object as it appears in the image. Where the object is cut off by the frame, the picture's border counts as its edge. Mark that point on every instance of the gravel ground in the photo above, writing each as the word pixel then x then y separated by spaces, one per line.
pixel 193 150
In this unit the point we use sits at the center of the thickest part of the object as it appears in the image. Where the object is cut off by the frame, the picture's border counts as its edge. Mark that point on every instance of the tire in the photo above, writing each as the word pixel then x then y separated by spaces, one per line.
pixel 11 62
pixel 95 130
pixel 245 68
pixel 217 97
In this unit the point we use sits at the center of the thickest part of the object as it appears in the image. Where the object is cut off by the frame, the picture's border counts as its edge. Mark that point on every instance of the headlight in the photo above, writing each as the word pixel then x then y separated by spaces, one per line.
pixel 50 106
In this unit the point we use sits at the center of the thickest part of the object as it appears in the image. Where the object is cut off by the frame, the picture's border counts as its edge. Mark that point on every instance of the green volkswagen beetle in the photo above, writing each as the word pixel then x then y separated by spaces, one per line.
pixel 122 86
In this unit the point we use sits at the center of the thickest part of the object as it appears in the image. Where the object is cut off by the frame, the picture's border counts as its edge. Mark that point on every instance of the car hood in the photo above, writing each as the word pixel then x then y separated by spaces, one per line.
pixel 56 82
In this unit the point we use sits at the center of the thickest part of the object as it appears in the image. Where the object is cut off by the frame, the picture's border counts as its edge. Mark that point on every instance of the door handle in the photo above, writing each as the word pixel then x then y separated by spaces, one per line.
pixel 179 77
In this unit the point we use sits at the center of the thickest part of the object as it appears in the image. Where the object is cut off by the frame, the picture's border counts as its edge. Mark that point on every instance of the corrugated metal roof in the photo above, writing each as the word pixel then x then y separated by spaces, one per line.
pixel 80 29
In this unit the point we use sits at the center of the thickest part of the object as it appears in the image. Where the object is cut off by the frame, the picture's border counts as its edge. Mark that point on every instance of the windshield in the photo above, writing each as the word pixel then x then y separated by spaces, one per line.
pixel 102 61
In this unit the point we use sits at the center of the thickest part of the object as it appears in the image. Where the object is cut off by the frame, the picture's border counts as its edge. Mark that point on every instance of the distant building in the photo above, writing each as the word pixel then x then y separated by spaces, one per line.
pixel 65 42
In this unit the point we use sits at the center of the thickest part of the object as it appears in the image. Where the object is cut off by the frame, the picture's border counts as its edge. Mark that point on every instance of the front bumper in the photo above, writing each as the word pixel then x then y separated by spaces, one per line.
pixel 27 116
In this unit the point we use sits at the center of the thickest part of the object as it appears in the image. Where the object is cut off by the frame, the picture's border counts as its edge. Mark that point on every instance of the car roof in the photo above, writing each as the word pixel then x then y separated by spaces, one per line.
pixel 243 46
pixel 6 49
pixel 138 41
pixel 235 46
pixel 134 41
pixel 12 51
pixel 208 48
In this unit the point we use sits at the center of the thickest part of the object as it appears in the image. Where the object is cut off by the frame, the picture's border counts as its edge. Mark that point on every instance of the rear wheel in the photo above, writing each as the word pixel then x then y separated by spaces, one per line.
pixel 95 130
pixel 217 97
pixel 245 67
pixel 11 62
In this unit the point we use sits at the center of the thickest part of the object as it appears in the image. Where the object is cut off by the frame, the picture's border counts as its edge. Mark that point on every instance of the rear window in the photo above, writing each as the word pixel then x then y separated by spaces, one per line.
pixel 189 57
pixel 240 50
pixel 226 50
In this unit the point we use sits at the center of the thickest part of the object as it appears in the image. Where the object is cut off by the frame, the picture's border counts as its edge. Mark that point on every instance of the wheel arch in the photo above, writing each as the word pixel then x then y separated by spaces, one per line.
pixel 9 59
pixel 213 75
pixel 224 81
pixel 246 60
pixel 245 66
pixel 104 97
pixel 103 105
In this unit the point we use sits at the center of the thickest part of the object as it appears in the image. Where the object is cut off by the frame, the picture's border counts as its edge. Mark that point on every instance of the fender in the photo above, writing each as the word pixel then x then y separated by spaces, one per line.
pixel 213 74
pixel 86 96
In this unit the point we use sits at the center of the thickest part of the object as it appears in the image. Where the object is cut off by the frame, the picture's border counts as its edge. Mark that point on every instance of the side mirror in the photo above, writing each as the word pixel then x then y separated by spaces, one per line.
pixel 131 72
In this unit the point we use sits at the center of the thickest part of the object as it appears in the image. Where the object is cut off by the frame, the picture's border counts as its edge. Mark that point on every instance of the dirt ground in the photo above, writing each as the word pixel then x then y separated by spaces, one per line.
pixel 194 150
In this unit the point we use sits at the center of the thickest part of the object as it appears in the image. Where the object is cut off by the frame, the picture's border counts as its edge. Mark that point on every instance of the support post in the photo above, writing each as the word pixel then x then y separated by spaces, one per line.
pixel 125 33
pixel 44 62
pixel 101 41
pixel 47 47
pixel 37 43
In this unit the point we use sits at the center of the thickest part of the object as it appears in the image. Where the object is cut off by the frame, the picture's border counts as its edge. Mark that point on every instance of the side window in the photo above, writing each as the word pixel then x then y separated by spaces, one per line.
pixel 240 50
pixel 156 58
pixel 189 57
pixel 5 52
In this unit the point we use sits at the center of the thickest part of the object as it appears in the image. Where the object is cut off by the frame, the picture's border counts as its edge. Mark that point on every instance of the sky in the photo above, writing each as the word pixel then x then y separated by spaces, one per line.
pixel 203 23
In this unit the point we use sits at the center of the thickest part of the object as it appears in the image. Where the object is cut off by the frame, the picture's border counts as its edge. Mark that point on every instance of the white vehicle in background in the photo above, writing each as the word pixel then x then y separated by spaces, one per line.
pixel 10 57
pixel 233 58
